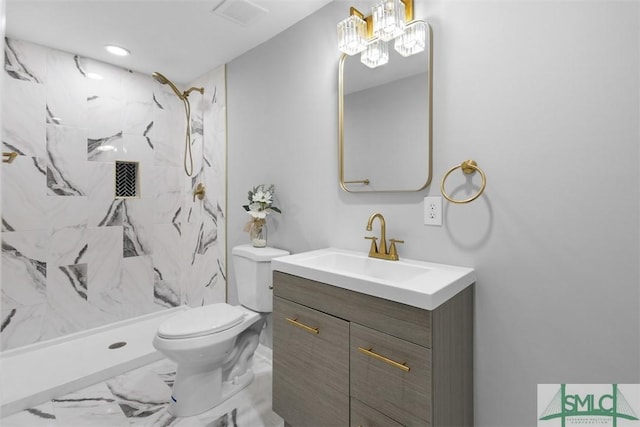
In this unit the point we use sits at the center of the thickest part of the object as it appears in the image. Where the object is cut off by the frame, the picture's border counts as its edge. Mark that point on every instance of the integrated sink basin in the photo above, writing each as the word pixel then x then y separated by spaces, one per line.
pixel 417 283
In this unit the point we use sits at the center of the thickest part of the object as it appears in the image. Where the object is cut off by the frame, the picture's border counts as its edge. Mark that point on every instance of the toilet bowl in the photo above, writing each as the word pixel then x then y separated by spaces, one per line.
pixel 213 345
pixel 213 364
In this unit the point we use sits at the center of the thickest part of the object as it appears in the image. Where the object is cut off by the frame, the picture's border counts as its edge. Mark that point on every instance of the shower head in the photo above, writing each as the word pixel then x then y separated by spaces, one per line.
pixel 165 81
pixel 160 78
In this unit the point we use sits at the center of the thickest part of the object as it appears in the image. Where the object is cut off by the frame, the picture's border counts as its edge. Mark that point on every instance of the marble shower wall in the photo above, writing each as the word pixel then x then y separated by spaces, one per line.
pixel 73 256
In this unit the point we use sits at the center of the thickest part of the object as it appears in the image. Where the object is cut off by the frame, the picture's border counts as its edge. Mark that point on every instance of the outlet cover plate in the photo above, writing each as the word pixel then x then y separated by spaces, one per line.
pixel 433 210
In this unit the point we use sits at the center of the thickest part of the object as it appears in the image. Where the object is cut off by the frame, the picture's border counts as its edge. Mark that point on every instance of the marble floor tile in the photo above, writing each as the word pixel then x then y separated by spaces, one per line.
pixel 139 398
pixel 39 416
pixel 140 393
pixel 92 406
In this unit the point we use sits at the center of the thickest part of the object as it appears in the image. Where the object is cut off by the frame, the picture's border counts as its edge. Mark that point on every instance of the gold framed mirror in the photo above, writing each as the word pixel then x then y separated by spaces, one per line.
pixel 385 122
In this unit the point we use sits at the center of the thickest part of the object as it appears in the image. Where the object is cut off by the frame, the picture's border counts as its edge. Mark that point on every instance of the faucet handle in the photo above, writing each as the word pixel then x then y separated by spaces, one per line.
pixel 393 253
pixel 374 245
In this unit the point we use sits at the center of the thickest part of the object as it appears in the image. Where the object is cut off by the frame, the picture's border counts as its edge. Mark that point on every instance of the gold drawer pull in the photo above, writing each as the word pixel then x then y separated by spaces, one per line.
pixel 303 326
pixel 369 352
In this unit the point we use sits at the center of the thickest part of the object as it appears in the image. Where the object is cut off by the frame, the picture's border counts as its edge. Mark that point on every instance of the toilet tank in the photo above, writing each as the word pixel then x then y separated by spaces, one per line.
pixel 252 267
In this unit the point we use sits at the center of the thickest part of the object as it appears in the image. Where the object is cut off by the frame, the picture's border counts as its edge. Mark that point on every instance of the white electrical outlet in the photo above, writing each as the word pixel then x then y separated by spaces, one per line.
pixel 433 210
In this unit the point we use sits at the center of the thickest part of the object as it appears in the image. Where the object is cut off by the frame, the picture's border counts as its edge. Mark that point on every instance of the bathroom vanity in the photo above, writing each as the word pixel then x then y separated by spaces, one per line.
pixel 345 357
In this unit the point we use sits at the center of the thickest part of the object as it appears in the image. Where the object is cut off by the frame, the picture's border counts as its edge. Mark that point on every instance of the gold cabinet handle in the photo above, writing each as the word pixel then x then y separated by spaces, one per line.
pixel 369 352
pixel 303 326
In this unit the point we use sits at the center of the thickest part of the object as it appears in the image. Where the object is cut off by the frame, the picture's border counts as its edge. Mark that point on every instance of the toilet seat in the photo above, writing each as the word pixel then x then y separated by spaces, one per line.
pixel 201 321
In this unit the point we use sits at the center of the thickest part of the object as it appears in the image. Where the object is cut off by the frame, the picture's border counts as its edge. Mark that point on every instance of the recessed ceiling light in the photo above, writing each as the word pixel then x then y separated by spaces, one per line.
pixel 95 76
pixel 117 50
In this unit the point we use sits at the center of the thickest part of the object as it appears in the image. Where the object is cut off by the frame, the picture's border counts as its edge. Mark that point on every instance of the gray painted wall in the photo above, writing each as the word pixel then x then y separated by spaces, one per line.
pixel 545 96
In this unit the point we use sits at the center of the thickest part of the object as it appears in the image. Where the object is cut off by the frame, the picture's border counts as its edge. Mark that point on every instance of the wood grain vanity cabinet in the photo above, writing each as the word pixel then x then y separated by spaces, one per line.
pixel 342 358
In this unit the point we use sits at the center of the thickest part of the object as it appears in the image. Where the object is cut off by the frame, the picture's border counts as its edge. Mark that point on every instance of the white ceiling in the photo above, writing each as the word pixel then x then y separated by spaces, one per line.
pixel 182 39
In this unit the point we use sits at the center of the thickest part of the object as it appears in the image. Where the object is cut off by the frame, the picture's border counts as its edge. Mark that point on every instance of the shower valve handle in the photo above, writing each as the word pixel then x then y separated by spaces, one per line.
pixel 198 192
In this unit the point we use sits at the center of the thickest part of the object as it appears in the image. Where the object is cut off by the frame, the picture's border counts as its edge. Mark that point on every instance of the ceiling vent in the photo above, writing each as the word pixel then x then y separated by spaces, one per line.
pixel 242 12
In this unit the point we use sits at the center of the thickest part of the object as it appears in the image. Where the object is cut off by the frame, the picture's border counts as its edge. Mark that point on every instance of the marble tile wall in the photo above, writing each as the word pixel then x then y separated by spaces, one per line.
pixel 73 255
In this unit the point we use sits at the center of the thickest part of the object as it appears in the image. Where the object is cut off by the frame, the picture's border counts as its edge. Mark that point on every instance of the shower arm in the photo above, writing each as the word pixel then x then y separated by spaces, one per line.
pixel 191 89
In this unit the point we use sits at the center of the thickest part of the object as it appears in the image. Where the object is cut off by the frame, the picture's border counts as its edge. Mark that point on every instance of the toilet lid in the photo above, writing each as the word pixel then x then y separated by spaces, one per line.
pixel 197 322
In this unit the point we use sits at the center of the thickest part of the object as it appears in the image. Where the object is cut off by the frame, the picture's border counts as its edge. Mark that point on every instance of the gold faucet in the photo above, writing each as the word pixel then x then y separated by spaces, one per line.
pixel 381 251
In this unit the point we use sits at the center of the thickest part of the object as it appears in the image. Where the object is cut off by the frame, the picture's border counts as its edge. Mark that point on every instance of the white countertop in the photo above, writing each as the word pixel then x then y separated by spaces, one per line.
pixel 416 283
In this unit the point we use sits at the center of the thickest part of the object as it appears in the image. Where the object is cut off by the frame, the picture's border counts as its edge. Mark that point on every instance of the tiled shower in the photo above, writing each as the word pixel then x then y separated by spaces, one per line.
pixel 75 256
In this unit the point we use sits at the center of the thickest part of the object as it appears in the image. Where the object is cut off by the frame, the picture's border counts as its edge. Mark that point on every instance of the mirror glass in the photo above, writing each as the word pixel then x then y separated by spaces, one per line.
pixel 385 123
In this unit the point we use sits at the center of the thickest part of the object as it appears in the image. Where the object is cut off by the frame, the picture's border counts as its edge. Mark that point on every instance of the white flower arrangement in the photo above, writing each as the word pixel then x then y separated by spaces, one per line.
pixel 261 202
pixel 260 205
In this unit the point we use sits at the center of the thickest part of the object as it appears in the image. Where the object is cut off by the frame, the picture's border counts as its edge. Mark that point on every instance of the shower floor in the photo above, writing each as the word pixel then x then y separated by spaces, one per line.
pixel 140 398
pixel 39 372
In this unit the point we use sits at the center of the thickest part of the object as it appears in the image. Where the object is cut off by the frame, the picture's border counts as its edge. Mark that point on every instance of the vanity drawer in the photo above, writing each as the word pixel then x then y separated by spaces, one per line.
pixel 400 393
pixel 400 320
pixel 310 370
pixel 364 416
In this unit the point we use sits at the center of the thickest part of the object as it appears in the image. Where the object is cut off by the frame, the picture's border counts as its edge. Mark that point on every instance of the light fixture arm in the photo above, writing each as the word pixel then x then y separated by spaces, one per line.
pixel 408 10
pixel 356 12
pixel 368 19
pixel 408 16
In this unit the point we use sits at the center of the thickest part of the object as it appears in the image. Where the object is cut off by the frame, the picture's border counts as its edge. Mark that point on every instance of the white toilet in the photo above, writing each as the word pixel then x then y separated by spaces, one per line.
pixel 213 345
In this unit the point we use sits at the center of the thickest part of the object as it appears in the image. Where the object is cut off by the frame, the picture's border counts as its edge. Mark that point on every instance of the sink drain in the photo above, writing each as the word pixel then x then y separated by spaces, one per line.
pixel 117 345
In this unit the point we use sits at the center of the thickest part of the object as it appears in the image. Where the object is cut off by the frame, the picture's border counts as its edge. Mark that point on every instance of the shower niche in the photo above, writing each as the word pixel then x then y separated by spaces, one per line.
pixel 127 182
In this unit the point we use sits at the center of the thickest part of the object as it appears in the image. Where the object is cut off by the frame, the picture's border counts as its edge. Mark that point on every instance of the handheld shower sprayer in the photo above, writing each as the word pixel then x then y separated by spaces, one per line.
pixel 160 78
pixel 184 97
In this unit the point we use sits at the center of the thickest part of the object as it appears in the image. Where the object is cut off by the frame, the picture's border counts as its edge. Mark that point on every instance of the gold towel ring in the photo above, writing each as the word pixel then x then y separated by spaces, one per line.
pixel 468 167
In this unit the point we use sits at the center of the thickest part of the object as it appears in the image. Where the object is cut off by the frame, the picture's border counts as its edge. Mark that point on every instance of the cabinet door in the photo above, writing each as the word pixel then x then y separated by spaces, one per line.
pixel 391 375
pixel 364 416
pixel 310 370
